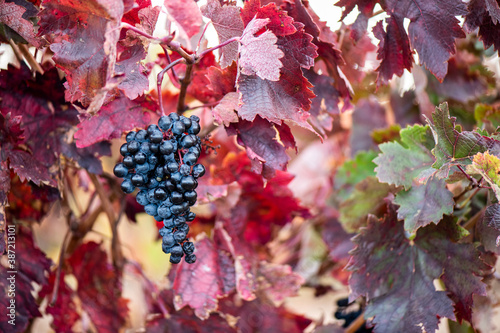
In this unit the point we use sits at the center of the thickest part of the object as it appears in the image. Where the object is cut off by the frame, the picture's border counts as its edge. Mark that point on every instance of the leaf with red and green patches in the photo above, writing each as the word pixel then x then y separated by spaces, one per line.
pixel 17 15
pixel 396 275
pixel 186 14
pixel 83 37
pixel 99 287
pixel 112 120
pixel 228 24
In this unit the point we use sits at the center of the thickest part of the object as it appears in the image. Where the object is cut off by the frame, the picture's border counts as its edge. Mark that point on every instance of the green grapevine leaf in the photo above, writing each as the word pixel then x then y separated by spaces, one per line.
pixel 453 147
pixel 367 198
pixel 354 171
pixel 401 162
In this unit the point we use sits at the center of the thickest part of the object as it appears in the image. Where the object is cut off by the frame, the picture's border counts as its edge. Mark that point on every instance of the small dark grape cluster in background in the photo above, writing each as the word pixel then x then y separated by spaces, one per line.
pixel 161 162
pixel 349 314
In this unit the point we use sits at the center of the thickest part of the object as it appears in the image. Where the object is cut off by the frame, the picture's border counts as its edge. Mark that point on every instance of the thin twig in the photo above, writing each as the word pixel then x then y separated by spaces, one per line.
pixel 83 228
pixel 356 324
pixel 16 50
pixel 205 52
pixel 159 81
pixel 185 81
pixel 202 34
pixel 469 177
pixel 116 253
pixel 167 55
pixel 30 58
pixel 53 299
pixel 164 40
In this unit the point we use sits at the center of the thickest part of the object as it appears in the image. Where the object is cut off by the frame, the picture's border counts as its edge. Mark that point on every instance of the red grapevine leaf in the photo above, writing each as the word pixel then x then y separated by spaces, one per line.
pixel 483 14
pixel 112 120
pixel 269 100
pixel 28 168
pixel 83 37
pixel 31 264
pixel 187 15
pixel 258 316
pixel 393 50
pixel 17 18
pixel 368 115
pixel 260 55
pixel 259 139
pixel 244 269
pixel 337 240
pixel 129 65
pixel 64 310
pixel 279 22
pixel 227 22
pixel 99 287
pixel 25 307
pixel 224 112
pixel 433 29
pixel 279 281
pixel 4 185
pixel 222 81
pixel 199 285
pixel 365 8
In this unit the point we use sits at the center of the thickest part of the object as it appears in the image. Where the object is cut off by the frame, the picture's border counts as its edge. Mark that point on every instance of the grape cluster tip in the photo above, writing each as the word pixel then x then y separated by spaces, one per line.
pixel 161 162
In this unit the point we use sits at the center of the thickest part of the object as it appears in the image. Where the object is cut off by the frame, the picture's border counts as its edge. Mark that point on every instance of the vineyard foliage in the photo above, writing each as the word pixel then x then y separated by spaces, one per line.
pixel 366 155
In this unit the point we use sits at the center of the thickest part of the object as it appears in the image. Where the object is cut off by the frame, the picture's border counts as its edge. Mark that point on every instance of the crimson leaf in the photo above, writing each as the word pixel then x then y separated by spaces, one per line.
pixel 187 15
pixel 17 18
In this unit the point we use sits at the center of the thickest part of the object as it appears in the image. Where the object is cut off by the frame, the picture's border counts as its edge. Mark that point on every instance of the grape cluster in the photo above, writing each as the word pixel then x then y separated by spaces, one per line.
pixel 161 162
pixel 349 314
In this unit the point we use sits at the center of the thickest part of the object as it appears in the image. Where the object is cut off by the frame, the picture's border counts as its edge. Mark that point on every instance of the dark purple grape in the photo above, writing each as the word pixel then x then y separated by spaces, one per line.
pixel 172 167
pixel 145 148
pixel 175 259
pixel 194 129
pixel 120 170
pixel 151 209
pixel 166 148
pixel 190 159
pixel 178 128
pixel 186 121
pixel 142 168
pixel 198 170
pixel 166 249
pixel 152 183
pixel 179 236
pixel 156 136
pixel 190 258
pixel 188 141
pixel 133 147
pixel 174 116
pixel 176 177
pixel 141 135
pixel 160 194
pixel 190 217
pixel 176 209
pixel 191 197
pixel 151 129
pixel 127 186
pixel 130 136
pixel 142 198
pixel 164 212
pixel 168 240
pixel 185 169
pixel 195 118
pixel 188 183
pixel 140 158
pixel 176 198
pixel 177 251
pixel 154 147
pixel 128 161
pixel 169 185
pixel 188 247
pixel 124 149
pixel 137 180
pixel 169 223
pixel 183 227
pixel 164 123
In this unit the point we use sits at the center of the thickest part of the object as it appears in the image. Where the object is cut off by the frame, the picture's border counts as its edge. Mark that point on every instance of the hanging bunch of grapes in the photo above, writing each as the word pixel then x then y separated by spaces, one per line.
pixel 162 162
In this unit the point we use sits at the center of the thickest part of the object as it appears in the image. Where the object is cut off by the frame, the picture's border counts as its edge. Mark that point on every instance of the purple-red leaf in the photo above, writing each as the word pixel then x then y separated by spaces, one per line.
pixel 227 22
pixel 187 15
pixel 99 287
pixel 112 120
pixel 260 55
pixel 393 50
pixel 15 17
pixel 83 37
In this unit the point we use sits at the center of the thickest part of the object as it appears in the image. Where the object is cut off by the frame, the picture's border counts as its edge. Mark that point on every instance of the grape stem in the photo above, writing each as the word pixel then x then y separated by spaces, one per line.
pixel 53 299
pixel 159 81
